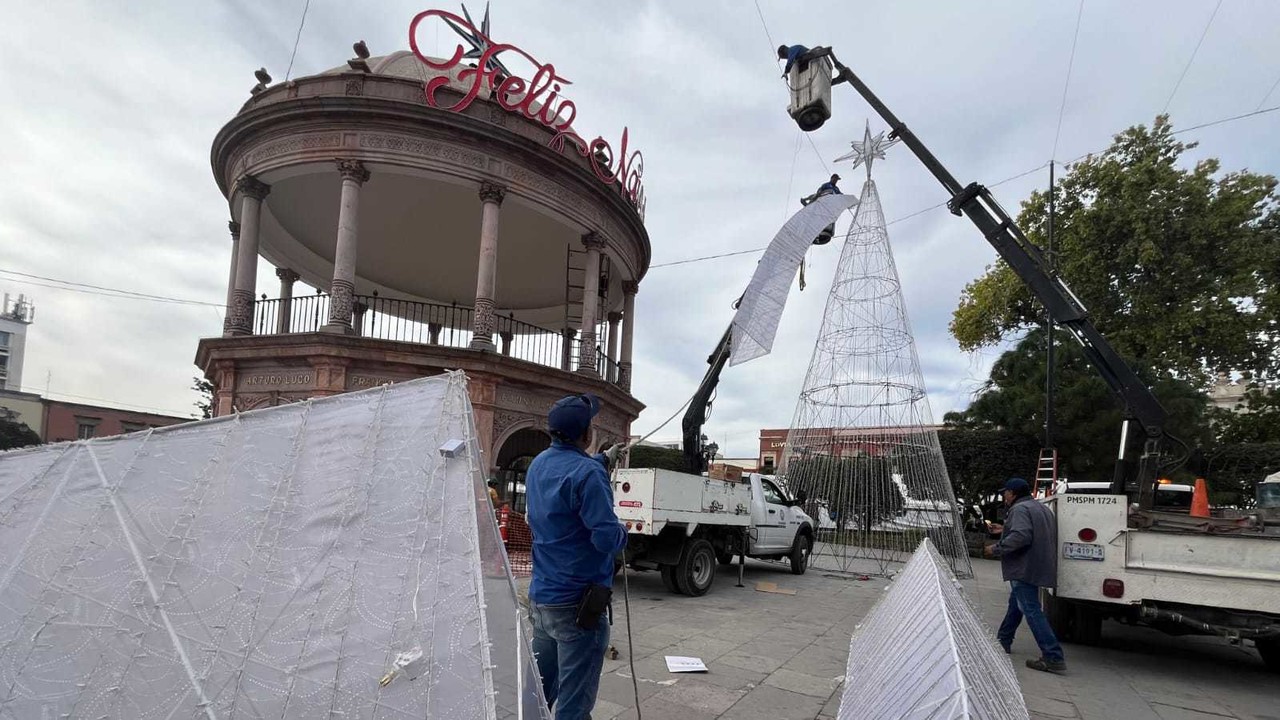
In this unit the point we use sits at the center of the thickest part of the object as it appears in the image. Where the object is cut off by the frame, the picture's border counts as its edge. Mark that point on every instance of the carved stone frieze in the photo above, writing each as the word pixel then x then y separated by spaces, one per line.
pixel 426 148
pixel 294 144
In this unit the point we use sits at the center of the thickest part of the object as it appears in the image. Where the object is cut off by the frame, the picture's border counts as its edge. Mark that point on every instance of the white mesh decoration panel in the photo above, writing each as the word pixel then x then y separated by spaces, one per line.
pixel 266 565
pixel 755 324
pixel 923 652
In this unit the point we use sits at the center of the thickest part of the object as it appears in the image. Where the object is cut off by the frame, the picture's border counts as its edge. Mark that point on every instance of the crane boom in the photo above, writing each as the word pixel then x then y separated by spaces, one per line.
pixel 1029 264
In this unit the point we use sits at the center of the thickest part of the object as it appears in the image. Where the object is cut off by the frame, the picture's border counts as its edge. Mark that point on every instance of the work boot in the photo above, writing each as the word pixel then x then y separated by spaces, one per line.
pixel 1058 667
pixel 1008 647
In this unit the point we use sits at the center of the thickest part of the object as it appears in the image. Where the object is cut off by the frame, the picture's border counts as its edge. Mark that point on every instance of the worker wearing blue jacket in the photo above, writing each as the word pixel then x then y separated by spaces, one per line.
pixel 575 538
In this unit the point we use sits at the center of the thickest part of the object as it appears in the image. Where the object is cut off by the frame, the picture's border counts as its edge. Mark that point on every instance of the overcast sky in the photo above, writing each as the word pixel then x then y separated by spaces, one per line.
pixel 112 107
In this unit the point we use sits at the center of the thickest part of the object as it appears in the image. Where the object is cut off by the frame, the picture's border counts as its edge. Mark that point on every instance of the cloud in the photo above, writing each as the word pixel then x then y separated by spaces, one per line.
pixel 112 109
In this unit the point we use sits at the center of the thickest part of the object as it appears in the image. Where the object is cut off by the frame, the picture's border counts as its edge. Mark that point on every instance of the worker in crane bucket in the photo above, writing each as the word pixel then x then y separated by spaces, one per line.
pixel 1028 561
pixel 794 54
pixel 575 538
pixel 827 188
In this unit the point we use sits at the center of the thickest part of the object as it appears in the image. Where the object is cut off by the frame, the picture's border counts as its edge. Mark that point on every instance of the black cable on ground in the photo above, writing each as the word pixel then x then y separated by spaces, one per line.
pixel 631 651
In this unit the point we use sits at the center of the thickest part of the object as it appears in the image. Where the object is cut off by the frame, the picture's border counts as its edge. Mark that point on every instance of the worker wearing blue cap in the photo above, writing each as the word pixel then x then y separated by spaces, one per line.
pixel 576 535
pixel 1028 561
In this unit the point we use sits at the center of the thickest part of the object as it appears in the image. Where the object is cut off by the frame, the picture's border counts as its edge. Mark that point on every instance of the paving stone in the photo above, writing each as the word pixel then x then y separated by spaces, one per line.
pixel 819 687
pixel 1050 707
pixel 605 710
pixel 770 703
pixel 655 709
pixel 752 662
pixel 695 692
pixel 704 647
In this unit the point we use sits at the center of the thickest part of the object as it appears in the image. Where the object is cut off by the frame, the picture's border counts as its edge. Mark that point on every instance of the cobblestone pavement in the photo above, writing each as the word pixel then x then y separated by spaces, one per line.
pixel 782 657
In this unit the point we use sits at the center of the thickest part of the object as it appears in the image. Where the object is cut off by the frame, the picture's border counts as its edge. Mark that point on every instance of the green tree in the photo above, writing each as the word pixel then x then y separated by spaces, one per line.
pixel 1087 416
pixel 205 403
pixel 1179 267
pixel 980 459
pixel 1234 470
pixel 647 456
pixel 14 434
pixel 1261 424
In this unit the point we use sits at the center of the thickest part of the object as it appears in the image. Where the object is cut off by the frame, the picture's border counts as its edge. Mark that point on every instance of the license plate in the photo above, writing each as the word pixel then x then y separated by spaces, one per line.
pixel 1081 551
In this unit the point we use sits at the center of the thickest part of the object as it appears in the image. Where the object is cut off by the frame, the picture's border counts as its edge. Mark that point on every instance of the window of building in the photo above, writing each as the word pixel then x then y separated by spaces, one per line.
pixel 4 339
pixel 129 427
pixel 86 427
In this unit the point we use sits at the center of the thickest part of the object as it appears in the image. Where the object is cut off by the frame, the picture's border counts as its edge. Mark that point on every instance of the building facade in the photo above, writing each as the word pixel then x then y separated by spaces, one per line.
pixel 444 227
pixel 59 420
pixel 834 442
pixel 15 316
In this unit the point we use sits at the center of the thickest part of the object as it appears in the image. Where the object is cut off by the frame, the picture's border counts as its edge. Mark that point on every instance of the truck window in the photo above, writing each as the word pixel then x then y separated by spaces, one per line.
pixel 1173 500
pixel 771 493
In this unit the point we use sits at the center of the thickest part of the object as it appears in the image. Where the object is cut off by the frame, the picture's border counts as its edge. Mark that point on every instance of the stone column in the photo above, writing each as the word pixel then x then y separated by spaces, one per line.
pixel 287 278
pixel 234 227
pixel 590 300
pixel 486 276
pixel 566 349
pixel 252 192
pixel 342 291
pixel 507 336
pixel 629 290
pixel 614 319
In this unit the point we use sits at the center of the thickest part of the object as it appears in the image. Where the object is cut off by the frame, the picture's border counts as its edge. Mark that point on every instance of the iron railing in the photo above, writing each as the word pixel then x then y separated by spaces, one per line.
pixel 429 324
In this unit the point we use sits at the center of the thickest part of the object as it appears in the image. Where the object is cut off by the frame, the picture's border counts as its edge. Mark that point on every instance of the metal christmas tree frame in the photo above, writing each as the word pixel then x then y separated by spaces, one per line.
pixel 862 443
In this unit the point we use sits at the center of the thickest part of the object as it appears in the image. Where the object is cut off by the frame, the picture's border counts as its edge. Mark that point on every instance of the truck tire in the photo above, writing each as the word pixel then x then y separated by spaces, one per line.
pixel 1087 622
pixel 669 579
pixel 1058 612
pixel 800 554
pixel 696 571
pixel 1269 649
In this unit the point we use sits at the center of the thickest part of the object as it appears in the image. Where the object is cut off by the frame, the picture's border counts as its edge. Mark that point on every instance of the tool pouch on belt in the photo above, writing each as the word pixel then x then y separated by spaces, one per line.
pixel 592 605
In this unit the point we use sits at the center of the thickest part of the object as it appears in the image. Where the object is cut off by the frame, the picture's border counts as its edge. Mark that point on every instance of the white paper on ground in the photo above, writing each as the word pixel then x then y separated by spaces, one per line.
pixel 676 663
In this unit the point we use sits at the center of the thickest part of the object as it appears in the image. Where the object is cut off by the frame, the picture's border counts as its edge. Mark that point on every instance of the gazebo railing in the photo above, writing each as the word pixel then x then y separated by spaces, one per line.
pixel 428 324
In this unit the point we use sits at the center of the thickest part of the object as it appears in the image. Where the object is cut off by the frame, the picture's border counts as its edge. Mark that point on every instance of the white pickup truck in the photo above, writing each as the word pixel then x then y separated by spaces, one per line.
pixel 683 525
pixel 1171 571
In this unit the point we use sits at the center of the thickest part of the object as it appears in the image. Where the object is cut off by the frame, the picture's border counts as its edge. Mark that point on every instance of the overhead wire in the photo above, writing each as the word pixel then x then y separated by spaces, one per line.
pixel 101 290
pixel 1192 59
pixel 1274 85
pixel 1023 174
pixel 296 39
pixel 1071 61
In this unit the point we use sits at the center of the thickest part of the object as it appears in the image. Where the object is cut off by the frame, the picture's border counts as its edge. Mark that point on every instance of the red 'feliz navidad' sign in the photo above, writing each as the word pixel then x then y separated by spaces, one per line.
pixel 537 99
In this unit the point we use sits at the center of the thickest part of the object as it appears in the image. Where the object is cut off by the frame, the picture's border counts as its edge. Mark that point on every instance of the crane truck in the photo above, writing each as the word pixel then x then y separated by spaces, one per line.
pixel 1120 556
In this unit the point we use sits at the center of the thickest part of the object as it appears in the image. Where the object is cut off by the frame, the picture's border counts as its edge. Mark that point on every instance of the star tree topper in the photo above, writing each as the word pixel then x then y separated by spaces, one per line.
pixel 480 41
pixel 868 150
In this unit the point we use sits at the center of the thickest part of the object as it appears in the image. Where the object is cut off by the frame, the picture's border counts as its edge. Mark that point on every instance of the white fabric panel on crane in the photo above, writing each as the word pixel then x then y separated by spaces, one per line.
pixel 923 652
pixel 268 564
pixel 756 322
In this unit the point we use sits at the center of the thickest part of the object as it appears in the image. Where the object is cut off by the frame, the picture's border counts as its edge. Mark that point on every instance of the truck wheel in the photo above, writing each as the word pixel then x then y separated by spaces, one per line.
pixel 1269 649
pixel 1087 623
pixel 1058 612
pixel 696 570
pixel 669 579
pixel 800 554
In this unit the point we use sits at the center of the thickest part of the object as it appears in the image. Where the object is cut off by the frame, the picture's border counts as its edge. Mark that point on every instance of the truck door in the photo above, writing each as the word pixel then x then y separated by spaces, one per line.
pixel 774 533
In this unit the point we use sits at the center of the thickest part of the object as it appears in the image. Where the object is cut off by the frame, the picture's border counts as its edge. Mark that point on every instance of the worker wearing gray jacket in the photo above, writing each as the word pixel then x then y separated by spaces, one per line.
pixel 1028 561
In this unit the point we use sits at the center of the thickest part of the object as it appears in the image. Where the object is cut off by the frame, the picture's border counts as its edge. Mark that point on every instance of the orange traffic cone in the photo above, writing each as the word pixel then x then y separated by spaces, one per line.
pixel 1200 500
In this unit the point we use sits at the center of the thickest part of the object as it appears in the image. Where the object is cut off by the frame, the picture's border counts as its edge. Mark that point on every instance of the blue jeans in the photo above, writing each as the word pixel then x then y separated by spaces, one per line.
pixel 1024 601
pixel 569 658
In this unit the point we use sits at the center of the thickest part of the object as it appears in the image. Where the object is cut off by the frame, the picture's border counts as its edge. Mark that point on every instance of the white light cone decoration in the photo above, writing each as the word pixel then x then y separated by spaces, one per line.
pixel 862 443
pixel 756 322
pixel 923 653
pixel 315 560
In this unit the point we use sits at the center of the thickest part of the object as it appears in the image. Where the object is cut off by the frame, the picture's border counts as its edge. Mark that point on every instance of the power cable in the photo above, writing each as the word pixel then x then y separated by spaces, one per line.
pixel 296 39
pixel 100 290
pixel 1071 61
pixel 1192 58
pixel 1274 85
pixel 112 404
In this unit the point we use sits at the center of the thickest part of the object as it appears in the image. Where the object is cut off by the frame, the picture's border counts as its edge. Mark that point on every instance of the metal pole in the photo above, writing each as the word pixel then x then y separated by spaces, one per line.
pixel 1049 332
